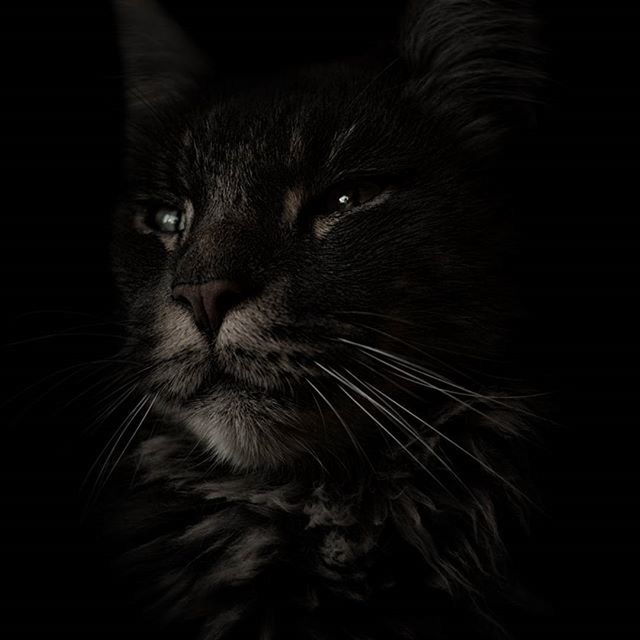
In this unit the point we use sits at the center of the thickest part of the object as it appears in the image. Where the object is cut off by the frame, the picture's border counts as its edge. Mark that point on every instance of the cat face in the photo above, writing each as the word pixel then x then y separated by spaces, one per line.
pixel 282 240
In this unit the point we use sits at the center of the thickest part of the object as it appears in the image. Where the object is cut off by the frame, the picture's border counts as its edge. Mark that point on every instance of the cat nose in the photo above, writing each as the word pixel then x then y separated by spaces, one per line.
pixel 210 302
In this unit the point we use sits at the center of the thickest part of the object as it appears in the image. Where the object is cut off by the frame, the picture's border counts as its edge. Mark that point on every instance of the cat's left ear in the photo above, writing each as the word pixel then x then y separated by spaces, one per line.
pixel 159 61
pixel 475 65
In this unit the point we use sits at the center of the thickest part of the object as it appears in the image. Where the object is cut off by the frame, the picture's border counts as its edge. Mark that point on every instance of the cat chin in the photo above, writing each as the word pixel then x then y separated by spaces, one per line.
pixel 246 429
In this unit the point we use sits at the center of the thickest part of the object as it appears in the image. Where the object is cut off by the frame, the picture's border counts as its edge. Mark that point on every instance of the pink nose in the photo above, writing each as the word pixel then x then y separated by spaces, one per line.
pixel 210 302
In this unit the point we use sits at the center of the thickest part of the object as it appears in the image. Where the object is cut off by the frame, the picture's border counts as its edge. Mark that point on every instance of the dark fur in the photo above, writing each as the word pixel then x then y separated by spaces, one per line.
pixel 254 513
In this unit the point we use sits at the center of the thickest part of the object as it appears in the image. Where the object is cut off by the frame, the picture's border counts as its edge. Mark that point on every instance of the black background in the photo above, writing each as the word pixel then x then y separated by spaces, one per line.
pixel 578 184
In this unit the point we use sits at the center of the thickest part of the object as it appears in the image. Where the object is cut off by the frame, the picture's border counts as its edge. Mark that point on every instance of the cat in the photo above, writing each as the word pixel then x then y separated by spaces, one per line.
pixel 311 264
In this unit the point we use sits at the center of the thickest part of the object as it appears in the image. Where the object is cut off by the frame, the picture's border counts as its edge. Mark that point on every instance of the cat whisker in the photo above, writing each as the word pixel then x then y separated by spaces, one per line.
pixel 115 439
pixel 123 392
pixel 130 440
pixel 394 415
pixel 356 444
pixel 102 323
pixel 486 466
pixel 116 377
pixel 411 368
pixel 320 412
pixel 342 382
pixel 378 315
pixel 464 391
pixel 405 375
pixel 194 448
pixel 62 335
pixel 54 374
pixel 129 375
pixel 325 428
pixel 408 363
pixel 412 347
pixel 466 353
pixel 309 450
pixel 391 381
pixel 458 446
pixel 58 312
pixel 397 419
pixel 75 370
pixel 136 469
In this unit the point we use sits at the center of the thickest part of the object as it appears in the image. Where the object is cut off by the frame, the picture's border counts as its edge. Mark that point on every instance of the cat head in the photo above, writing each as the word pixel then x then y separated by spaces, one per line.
pixel 292 249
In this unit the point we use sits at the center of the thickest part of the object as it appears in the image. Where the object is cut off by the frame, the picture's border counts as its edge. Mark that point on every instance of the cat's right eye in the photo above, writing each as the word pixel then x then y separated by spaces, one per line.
pixel 166 220
pixel 349 195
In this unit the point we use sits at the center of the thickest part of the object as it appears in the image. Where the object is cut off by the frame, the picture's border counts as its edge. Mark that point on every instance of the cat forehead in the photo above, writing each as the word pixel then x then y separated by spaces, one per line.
pixel 293 111
pixel 301 135
pixel 310 133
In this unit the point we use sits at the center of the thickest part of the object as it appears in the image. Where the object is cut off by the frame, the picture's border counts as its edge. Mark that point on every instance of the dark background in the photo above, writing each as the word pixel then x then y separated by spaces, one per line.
pixel 578 184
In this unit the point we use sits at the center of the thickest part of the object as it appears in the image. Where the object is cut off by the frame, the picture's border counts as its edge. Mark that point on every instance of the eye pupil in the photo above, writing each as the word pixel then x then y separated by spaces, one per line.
pixel 344 199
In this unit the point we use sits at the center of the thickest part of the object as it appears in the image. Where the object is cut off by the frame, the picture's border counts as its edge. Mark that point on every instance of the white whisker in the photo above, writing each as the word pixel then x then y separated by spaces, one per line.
pixel 416 380
pixel 412 346
pixel 402 422
pixel 352 437
pixel 130 440
pixel 407 375
pixel 377 422
pixel 458 446
pixel 464 391
pixel 117 436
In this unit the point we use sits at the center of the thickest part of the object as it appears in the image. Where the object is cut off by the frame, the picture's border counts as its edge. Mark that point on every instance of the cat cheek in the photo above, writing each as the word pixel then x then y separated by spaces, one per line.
pixel 169 241
pixel 322 226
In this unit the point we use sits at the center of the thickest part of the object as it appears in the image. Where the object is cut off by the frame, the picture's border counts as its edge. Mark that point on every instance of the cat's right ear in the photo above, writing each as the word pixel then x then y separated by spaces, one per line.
pixel 159 61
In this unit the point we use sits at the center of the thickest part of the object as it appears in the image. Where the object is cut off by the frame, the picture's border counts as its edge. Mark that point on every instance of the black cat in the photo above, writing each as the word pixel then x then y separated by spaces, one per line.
pixel 312 268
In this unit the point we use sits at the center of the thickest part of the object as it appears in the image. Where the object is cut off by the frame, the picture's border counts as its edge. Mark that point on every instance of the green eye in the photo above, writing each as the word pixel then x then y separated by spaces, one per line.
pixel 167 220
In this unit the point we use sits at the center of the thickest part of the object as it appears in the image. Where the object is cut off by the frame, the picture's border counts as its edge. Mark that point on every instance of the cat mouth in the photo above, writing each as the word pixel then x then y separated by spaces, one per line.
pixel 224 381
pixel 207 382
pixel 271 372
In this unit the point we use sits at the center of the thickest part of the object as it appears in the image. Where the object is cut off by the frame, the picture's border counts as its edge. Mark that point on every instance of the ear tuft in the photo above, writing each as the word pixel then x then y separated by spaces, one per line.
pixel 159 61
pixel 475 64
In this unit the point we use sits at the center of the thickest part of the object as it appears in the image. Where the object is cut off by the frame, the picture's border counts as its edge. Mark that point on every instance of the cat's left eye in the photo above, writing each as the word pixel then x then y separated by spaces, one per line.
pixel 166 220
pixel 349 195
